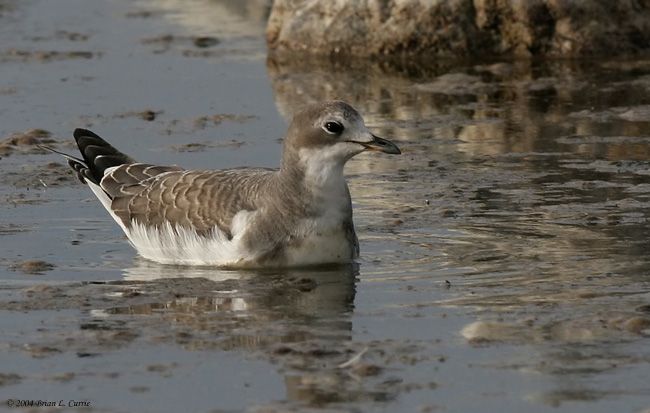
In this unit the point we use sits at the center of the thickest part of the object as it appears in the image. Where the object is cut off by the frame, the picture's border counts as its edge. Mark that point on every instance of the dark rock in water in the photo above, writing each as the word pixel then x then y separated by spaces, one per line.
pixel 461 28
pixel 205 41
pixel 33 267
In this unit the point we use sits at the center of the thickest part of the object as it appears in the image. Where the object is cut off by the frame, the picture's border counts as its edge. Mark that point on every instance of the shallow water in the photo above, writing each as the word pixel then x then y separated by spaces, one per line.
pixel 503 266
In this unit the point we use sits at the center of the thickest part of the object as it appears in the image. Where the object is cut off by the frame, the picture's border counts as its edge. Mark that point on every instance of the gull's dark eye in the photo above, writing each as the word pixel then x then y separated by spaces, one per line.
pixel 333 128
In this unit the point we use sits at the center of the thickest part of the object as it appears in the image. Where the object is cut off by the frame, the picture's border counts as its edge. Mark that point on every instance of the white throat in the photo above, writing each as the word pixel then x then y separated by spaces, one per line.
pixel 324 171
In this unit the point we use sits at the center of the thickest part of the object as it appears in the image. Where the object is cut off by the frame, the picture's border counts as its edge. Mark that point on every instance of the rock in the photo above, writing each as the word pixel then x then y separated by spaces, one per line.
pixel 461 28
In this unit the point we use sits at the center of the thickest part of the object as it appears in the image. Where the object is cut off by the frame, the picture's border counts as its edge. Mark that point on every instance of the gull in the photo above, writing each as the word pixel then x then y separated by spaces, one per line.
pixel 297 215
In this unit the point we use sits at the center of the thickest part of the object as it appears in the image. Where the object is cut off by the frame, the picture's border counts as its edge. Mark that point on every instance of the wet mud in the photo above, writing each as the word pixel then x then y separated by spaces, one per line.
pixel 504 254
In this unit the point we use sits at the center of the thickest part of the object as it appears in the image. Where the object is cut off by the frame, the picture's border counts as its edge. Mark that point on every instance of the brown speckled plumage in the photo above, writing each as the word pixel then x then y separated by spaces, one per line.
pixel 299 214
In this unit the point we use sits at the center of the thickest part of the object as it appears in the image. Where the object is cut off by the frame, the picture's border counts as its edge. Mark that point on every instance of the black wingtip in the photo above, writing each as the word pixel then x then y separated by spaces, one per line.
pixel 79 133
pixel 98 154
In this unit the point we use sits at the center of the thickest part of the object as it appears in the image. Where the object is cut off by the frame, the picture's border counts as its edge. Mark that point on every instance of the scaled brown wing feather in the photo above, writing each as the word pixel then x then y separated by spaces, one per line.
pixel 115 181
pixel 201 200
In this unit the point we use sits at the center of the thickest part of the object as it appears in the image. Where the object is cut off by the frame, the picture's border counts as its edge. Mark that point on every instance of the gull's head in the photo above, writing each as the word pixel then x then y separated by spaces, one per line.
pixel 332 132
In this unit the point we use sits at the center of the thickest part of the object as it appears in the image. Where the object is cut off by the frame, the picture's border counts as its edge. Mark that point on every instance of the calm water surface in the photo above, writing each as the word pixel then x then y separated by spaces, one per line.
pixel 504 255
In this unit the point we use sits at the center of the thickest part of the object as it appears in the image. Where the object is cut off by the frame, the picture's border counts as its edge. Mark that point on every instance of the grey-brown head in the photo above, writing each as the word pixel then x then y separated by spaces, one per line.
pixel 331 132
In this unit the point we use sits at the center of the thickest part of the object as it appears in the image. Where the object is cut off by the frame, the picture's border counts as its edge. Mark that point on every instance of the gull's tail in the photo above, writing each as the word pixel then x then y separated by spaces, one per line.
pixel 98 155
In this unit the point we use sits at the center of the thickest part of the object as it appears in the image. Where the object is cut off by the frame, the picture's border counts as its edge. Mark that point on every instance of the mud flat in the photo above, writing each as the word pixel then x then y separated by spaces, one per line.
pixel 504 254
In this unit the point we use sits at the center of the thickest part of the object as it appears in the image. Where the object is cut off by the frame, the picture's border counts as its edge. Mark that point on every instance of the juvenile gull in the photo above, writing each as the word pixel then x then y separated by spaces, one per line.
pixel 298 215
